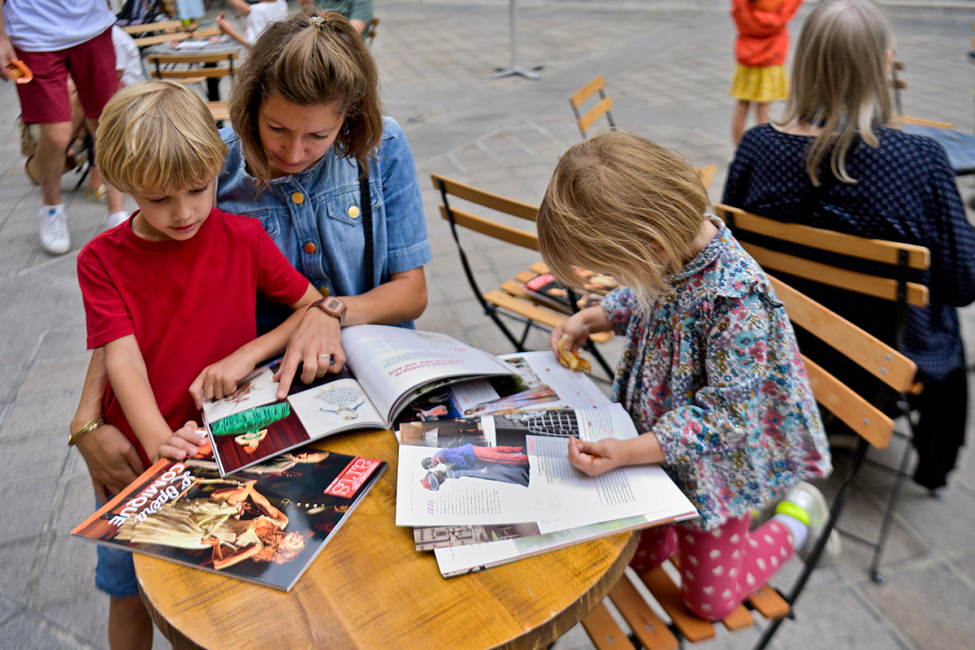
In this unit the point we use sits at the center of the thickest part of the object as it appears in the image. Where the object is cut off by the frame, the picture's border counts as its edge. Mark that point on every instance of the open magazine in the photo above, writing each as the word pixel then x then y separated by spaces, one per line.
pixel 546 289
pixel 264 526
pixel 514 469
pixel 387 369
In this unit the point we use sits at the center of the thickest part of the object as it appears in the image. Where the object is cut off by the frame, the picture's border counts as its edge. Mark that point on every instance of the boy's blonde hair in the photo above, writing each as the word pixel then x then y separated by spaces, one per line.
pixel 158 135
pixel 618 203
pixel 310 60
pixel 839 80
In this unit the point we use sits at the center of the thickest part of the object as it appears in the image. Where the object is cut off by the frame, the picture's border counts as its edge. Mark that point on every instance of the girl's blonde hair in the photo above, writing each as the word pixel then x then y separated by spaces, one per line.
pixel 310 60
pixel 839 81
pixel 618 203
pixel 157 135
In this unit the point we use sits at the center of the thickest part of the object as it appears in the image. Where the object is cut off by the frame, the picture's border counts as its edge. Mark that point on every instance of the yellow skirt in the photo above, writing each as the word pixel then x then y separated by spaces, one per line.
pixel 761 85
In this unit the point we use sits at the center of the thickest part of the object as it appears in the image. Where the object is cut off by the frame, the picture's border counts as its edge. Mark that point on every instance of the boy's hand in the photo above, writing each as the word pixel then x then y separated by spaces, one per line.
pixel 184 442
pixel 220 379
pixel 222 23
pixel 594 458
pixel 577 330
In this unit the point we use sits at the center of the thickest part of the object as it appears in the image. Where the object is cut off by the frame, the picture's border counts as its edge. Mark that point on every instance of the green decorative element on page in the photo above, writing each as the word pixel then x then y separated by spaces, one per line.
pixel 251 421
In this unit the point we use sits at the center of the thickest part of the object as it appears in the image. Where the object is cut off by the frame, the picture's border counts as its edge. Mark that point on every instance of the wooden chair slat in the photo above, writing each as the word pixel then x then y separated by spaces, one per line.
pixel 199 57
pixel 161 26
pixel 892 368
pixel 605 104
pixel 857 413
pixel 581 95
pixel 694 629
pixel 486 199
pixel 769 603
pixel 870 285
pixel 899 84
pixel 923 121
pixel 707 174
pixel 603 630
pixel 146 41
pixel 738 619
pixel 524 307
pixel 539 267
pixel 205 73
pixel 650 631
pixel 219 110
pixel 876 250
pixel 492 229
pixel 525 276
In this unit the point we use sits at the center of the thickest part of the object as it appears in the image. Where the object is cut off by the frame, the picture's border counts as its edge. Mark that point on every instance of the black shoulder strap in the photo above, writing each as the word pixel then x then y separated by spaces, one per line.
pixel 365 199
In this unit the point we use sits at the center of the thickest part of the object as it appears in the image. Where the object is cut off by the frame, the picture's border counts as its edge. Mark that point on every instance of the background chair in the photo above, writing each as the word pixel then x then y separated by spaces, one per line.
pixel 509 299
pixel 199 67
pixel 873 428
pixel 371 31
pixel 602 107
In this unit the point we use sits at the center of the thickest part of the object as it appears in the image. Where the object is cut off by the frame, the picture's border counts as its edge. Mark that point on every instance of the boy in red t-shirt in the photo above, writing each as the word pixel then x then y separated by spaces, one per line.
pixel 170 294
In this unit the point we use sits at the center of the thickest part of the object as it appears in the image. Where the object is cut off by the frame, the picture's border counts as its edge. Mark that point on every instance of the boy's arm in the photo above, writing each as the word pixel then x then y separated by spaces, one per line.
pixel 220 379
pixel 130 381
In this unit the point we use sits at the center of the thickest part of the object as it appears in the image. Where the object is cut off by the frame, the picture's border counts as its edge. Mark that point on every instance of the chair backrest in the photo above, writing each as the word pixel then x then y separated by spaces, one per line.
pixel 483 225
pixel 602 107
pixel 193 60
pixel 896 254
pixel 145 28
pixel 898 84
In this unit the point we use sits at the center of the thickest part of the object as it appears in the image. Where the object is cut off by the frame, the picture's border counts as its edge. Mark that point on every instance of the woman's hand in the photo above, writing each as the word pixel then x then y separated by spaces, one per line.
pixel 112 460
pixel 220 379
pixel 316 344
pixel 594 458
pixel 184 442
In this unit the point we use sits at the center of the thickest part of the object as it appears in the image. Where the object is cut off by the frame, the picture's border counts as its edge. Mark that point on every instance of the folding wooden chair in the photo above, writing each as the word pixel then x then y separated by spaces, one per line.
pixel 509 299
pixel 895 286
pixel 201 66
pixel 602 107
pixel 874 429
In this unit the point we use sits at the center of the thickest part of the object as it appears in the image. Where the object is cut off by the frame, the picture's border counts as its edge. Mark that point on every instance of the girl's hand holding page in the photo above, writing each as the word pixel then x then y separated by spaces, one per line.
pixel 184 442
pixel 594 458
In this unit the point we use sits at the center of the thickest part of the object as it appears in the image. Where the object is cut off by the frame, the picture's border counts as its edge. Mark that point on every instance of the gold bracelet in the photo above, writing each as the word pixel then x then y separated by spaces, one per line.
pixel 93 424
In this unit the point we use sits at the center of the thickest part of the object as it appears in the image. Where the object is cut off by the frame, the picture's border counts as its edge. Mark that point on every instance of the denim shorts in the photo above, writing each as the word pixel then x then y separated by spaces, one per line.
pixel 115 572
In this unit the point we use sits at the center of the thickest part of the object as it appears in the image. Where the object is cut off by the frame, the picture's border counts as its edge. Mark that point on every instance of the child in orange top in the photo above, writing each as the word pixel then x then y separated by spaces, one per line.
pixel 761 48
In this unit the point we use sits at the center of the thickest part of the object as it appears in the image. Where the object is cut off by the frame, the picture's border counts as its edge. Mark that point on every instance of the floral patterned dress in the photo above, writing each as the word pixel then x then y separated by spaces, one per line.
pixel 714 371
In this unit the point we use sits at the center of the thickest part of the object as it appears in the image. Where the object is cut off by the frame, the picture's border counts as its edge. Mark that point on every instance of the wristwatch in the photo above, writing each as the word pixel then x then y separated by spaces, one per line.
pixel 333 307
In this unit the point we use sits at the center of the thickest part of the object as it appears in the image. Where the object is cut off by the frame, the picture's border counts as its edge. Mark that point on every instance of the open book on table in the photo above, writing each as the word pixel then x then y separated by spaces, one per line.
pixel 387 368
pixel 264 526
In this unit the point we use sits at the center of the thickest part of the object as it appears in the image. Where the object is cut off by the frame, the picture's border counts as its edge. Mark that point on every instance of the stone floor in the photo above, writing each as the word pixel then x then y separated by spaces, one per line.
pixel 667 66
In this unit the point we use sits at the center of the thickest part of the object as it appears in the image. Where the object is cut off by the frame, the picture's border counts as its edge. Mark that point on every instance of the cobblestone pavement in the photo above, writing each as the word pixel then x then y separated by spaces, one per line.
pixel 667 66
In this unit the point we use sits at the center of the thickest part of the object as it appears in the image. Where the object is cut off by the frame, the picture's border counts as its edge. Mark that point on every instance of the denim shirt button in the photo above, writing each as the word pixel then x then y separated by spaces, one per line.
pixel 310 247
pixel 298 198
pixel 353 211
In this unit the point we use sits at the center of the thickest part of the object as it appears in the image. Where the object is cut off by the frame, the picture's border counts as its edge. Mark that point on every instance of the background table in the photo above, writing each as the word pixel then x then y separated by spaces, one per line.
pixel 371 589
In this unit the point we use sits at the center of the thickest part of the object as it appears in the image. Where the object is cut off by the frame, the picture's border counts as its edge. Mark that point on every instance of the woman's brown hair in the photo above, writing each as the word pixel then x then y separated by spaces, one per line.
pixel 618 203
pixel 310 60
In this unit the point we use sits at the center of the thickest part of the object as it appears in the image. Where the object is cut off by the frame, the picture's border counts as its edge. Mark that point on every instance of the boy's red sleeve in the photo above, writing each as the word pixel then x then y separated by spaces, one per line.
pixel 277 279
pixel 106 315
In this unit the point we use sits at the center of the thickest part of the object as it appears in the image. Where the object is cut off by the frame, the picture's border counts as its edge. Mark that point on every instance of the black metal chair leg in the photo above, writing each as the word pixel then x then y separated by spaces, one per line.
pixel 875 574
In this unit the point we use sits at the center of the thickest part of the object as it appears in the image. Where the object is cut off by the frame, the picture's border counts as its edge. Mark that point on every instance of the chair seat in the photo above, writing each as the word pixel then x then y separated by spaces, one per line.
pixel 960 146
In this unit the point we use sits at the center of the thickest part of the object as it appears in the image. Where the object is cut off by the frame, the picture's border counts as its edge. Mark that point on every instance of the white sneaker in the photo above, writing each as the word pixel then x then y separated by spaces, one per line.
pixel 116 218
pixel 807 504
pixel 55 238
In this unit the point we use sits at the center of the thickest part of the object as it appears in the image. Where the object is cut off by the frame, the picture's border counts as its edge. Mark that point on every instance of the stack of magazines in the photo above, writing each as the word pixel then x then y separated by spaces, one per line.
pixel 484 477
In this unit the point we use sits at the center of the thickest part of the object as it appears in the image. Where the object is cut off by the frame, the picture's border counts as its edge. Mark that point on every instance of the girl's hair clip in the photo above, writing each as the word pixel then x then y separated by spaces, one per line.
pixel 318 22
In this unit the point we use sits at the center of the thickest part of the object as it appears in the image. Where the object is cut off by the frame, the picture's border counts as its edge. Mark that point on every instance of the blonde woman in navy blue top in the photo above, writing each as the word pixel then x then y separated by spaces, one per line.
pixel 837 161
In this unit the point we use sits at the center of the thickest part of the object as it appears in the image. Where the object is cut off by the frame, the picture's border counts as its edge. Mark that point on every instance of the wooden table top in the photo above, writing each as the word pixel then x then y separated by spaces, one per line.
pixel 370 588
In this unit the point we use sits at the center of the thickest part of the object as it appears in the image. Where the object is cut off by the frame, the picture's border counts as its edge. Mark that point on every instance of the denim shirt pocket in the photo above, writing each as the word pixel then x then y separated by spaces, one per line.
pixel 346 206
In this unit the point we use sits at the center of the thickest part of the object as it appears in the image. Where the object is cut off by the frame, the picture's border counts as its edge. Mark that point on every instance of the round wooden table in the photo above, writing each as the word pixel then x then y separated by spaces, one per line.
pixel 370 589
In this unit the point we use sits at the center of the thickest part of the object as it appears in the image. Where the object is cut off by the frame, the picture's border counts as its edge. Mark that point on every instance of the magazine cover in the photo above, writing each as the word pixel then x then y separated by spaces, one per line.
pixel 265 525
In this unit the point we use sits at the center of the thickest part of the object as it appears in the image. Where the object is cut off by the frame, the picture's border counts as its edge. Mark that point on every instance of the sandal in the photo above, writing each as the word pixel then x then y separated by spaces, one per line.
pixel 98 194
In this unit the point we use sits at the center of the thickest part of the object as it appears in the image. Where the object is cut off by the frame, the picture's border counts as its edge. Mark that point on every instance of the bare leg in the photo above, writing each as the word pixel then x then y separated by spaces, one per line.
pixel 49 159
pixel 114 196
pixel 738 120
pixel 129 625
pixel 761 112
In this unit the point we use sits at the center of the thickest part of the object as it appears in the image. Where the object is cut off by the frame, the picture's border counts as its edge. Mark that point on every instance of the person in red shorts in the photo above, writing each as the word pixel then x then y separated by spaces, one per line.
pixel 56 38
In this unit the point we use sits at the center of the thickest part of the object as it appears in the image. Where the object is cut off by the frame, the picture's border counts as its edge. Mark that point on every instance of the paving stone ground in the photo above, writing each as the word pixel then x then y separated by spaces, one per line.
pixel 667 66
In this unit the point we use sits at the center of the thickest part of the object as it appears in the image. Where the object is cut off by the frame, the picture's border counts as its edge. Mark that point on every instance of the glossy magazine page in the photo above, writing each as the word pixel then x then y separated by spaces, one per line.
pixel 264 525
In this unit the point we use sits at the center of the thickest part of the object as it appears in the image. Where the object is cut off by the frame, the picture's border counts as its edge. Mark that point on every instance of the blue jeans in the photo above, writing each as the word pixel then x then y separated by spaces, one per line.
pixel 115 572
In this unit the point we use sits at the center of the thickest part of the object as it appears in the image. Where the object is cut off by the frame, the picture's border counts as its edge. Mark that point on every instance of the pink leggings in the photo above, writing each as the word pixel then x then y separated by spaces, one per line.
pixel 719 568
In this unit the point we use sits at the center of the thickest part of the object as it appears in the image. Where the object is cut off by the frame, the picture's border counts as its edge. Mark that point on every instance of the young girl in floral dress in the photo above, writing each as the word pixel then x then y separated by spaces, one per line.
pixel 710 371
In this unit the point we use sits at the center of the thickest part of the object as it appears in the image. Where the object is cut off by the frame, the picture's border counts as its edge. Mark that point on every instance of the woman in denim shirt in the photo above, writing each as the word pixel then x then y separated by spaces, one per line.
pixel 305 112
